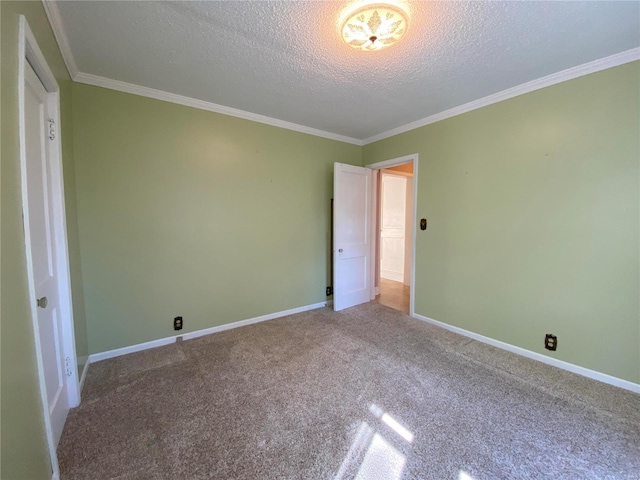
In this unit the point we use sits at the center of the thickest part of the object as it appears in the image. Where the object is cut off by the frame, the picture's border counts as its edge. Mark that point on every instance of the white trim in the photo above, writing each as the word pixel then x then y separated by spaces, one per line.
pixel 59 32
pixel 208 106
pixel 393 162
pixel 62 255
pixel 394 276
pixel 55 476
pixel 585 372
pixel 374 233
pixel 53 14
pixel 558 77
pixel 413 158
pixel 96 357
pixel 29 53
pixel 84 373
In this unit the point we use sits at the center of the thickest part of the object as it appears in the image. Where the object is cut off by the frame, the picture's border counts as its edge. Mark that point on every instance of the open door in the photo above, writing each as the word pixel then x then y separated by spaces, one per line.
pixel 351 235
pixel 40 226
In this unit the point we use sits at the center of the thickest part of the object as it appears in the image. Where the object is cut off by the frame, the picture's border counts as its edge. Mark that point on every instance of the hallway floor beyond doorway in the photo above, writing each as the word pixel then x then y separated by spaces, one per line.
pixel 394 294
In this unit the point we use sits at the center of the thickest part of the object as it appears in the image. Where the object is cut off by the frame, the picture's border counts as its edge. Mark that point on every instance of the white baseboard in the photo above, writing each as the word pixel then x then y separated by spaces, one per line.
pixel 96 357
pixel 84 373
pixel 585 372
pixel 389 275
pixel 55 476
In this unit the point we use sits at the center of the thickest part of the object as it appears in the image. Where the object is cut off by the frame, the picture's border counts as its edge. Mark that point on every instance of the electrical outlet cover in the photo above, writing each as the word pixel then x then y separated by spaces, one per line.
pixel 550 342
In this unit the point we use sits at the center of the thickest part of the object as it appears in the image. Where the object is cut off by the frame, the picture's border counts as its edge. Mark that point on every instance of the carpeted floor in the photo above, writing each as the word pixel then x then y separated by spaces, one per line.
pixel 367 393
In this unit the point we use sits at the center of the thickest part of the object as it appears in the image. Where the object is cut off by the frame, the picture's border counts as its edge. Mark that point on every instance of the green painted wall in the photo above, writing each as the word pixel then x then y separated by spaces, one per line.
pixel 192 213
pixel 24 451
pixel 533 210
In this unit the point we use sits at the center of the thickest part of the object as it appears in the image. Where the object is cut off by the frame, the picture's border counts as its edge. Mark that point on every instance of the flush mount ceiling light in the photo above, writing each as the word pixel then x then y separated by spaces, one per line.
pixel 374 27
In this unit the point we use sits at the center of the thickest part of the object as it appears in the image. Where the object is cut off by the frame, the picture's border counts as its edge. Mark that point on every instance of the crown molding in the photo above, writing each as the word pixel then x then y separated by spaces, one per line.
pixel 203 105
pixel 559 77
pixel 53 14
pixel 51 9
pixel 55 20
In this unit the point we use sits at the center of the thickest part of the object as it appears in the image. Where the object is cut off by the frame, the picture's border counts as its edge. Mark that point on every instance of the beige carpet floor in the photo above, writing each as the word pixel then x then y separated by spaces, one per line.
pixel 367 393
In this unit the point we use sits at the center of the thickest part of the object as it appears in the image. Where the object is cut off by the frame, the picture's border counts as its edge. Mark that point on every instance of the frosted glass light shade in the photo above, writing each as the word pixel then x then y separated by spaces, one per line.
pixel 374 27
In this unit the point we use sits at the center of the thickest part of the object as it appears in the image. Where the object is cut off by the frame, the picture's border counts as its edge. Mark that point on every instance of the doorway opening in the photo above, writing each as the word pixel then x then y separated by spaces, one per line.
pixel 393 241
pixel 393 222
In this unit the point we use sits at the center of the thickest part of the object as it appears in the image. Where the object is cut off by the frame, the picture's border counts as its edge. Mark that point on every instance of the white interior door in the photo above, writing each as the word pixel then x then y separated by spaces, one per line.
pixel 40 222
pixel 351 235
pixel 392 226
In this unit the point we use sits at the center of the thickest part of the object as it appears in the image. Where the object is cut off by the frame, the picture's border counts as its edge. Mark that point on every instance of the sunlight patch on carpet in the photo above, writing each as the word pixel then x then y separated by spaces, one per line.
pixel 382 460
pixel 464 476
pixel 391 422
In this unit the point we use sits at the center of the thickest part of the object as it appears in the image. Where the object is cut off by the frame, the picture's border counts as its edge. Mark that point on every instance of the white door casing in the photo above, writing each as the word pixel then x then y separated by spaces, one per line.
pixel 413 219
pixel 392 226
pixel 351 236
pixel 46 237
pixel 408 232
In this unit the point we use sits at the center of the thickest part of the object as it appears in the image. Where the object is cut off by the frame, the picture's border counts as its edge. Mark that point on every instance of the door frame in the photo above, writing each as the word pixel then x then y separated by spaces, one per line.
pixel 413 158
pixel 28 51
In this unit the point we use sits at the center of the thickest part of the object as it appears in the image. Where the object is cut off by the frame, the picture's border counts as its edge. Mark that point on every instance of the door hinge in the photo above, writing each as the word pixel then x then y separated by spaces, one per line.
pixel 52 129
pixel 67 364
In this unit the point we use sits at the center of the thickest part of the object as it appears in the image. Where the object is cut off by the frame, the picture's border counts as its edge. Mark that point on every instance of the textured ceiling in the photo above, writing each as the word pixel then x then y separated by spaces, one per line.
pixel 286 60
